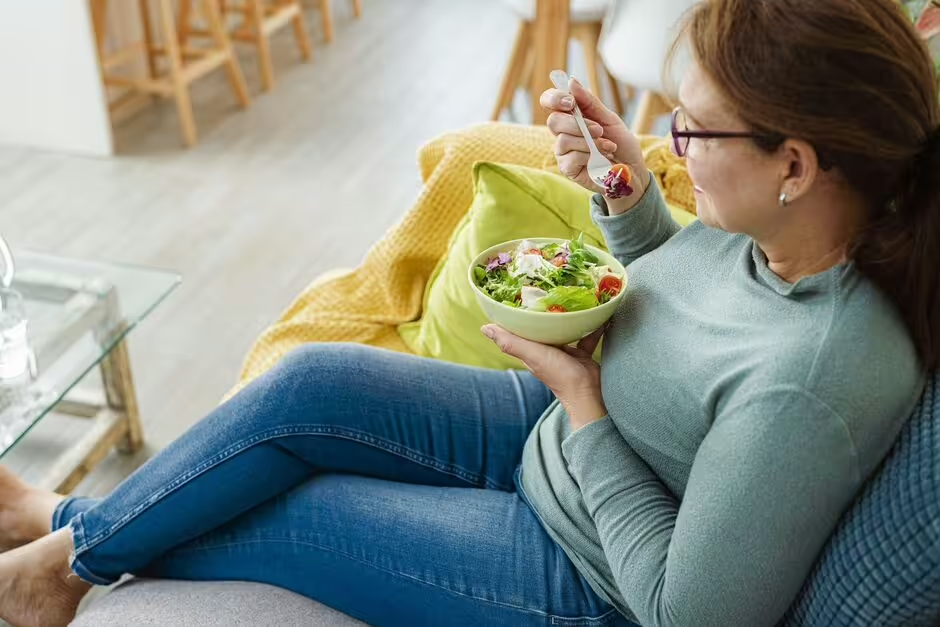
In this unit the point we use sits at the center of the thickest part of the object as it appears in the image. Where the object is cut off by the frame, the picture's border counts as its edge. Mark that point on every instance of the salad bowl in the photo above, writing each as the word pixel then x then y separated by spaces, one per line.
pixel 548 290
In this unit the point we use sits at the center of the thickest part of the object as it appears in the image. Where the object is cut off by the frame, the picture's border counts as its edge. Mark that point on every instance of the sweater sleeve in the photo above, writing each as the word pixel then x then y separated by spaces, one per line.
pixel 766 490
pixel 642 229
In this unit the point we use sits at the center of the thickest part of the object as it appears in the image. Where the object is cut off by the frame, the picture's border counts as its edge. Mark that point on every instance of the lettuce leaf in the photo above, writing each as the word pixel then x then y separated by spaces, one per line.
pixel 570 298
pixel 499 285
pixel 580 258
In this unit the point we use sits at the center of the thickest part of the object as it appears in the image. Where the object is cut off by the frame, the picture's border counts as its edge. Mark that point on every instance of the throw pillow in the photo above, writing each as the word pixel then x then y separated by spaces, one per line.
pixel 509 202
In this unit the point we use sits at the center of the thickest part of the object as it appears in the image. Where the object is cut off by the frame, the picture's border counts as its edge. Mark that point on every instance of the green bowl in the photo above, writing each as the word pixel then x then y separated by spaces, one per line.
pixel 556 329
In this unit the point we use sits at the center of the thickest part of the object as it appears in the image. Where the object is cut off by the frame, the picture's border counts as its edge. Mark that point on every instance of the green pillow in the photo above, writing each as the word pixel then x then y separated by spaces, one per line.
pixel 509 202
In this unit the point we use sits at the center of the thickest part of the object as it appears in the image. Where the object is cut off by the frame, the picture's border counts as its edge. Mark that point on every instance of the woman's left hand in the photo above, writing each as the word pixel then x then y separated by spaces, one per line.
pixel 570 372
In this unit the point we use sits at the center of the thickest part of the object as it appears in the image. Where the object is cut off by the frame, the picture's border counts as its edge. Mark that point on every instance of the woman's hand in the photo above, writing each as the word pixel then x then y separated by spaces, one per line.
pixel 611 135
pixel 570 373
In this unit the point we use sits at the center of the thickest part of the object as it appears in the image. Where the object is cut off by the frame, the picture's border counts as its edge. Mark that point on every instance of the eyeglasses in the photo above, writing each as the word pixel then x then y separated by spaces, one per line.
pixel 681 133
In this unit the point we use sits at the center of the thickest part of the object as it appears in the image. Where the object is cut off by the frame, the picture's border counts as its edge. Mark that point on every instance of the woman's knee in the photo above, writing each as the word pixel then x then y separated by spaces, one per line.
pixel 310 378
pixel 319 359
pixel 326 371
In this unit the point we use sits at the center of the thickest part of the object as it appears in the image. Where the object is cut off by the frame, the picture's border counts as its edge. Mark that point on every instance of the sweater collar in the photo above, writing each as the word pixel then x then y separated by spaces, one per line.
pixel 820 282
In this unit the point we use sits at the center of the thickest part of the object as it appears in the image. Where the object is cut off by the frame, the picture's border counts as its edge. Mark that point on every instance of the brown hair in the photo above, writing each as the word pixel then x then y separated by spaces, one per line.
pixel 852 78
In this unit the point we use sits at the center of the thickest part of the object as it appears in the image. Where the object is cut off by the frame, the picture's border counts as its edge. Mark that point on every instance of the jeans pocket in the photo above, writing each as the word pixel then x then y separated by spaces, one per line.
pixel 612 617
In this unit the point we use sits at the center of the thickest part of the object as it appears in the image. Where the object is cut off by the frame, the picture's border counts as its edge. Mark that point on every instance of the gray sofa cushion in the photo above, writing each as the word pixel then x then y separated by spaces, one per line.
pixel 142 603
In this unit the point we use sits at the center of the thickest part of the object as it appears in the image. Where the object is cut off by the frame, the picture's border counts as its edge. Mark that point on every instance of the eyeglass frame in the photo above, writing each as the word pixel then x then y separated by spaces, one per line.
pixel 687 134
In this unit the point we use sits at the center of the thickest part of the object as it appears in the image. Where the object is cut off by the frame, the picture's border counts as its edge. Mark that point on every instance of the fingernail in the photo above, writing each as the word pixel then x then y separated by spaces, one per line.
pixel 567 102
pixel 488 331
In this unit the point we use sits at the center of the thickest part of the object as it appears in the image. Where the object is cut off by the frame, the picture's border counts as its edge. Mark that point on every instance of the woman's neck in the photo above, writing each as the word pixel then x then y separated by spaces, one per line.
pixel 792 268
pixel 817 236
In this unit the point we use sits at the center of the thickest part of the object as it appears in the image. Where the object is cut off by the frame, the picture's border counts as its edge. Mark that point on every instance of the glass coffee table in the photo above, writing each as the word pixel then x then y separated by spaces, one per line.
pixel 79 314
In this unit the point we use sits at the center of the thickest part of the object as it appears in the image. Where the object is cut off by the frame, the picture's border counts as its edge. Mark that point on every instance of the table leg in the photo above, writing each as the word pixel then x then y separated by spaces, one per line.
pixel 109 430
pixel 117 424
pixel 550 36
pixel 121 395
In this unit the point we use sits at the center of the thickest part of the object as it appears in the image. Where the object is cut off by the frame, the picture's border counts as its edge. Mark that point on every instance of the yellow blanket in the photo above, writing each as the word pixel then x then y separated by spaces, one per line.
pixel 367 304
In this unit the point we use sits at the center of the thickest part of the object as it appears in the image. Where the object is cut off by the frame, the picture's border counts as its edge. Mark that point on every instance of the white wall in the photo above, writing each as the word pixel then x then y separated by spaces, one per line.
pixel 51 95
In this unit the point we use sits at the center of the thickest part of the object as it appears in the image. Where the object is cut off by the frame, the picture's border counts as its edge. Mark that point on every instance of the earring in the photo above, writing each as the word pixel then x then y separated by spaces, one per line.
pixel 784 201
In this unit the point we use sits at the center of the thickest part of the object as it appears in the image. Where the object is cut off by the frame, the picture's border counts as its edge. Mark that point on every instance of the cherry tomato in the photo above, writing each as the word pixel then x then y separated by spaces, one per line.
pixel 556 309
pixel 609 285
pixel 622 171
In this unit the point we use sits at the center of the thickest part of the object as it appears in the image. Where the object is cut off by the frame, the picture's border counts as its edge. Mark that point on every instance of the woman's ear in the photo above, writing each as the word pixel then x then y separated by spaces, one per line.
pixel 799 168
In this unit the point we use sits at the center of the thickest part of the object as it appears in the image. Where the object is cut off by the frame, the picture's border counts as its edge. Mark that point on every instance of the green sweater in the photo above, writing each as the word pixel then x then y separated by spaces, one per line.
pixel 745 413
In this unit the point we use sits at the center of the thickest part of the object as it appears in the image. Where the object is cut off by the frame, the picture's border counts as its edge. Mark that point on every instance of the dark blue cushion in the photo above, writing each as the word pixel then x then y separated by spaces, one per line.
pixel 882 566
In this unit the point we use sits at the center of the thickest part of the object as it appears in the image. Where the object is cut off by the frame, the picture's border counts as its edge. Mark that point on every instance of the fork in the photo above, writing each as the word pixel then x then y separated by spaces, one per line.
pixel 598 165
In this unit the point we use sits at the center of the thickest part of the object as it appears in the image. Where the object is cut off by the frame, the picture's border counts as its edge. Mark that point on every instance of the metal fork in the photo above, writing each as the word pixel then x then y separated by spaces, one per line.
pixel 598 165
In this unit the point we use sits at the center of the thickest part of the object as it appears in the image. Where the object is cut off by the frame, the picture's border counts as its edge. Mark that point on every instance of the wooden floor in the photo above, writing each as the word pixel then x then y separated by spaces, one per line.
pixel 270 197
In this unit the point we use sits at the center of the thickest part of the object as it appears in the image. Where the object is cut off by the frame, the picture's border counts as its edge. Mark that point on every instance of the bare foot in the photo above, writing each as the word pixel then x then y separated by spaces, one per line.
pixel 37 585
pixel 25 512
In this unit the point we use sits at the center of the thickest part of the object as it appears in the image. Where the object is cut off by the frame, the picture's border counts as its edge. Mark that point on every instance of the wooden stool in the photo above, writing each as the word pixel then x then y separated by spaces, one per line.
pixel 326 16
pixel 183 64
pixel 588 34
pixel 522 62
pixel 259 20
pixel 652 106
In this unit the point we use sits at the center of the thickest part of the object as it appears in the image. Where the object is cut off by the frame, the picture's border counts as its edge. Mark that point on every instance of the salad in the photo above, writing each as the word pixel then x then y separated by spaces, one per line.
pixel 553 278
pixel 617 183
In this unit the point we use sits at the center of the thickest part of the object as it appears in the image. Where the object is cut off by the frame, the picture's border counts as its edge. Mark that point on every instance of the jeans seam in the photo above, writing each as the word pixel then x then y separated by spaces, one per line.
pixel 391 572
pixel 57 513
pixel 583 621
pixel 264 436
pixel 78 532
pixel 415 456
pixel 525 499
pixel 520 395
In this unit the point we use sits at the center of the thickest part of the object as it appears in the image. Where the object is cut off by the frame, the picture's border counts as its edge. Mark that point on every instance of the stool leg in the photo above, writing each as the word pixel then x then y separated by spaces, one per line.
pixel 99 19
pixel 357 8
pixel 587 34
pixel 147 27
pixel 652 105
pixel 614 91
pixel 300 32
pixel 265 64
pixel 590 36
pixel 175 62
pixel 517 62
pixel 211 12
pixel 326 16
pixel 629 92
pixel 184 21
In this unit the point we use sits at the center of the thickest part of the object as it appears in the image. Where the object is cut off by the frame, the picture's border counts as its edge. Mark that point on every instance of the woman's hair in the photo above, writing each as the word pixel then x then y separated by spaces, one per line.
pixel 853 79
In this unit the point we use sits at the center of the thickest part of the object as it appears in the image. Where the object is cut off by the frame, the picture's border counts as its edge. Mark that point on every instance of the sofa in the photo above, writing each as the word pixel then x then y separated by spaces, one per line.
pixel 881 566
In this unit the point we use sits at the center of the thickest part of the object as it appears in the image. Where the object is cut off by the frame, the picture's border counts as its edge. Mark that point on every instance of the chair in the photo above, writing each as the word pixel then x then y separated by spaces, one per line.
pixel 184 65
pixel 326 16
pixel 633 47
pixel 259 19
pixel 587 18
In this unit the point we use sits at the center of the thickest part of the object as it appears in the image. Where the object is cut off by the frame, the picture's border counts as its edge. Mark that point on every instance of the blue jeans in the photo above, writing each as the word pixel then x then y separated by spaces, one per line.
pixel 383 485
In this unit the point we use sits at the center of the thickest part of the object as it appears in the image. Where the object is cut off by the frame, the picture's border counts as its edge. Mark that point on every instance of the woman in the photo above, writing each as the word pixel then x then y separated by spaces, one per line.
pixel 758 371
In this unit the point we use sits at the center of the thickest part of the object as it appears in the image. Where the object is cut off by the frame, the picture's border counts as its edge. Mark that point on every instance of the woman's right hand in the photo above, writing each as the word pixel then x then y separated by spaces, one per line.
pixel 613 138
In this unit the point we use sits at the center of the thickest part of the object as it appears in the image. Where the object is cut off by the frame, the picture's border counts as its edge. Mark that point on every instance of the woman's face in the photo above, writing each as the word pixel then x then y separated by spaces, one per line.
pixel 737 185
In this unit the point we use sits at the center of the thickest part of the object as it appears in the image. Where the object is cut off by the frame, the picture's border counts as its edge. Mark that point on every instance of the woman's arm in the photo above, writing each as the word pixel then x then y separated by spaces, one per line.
pixel 766 490
pixel 638 230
